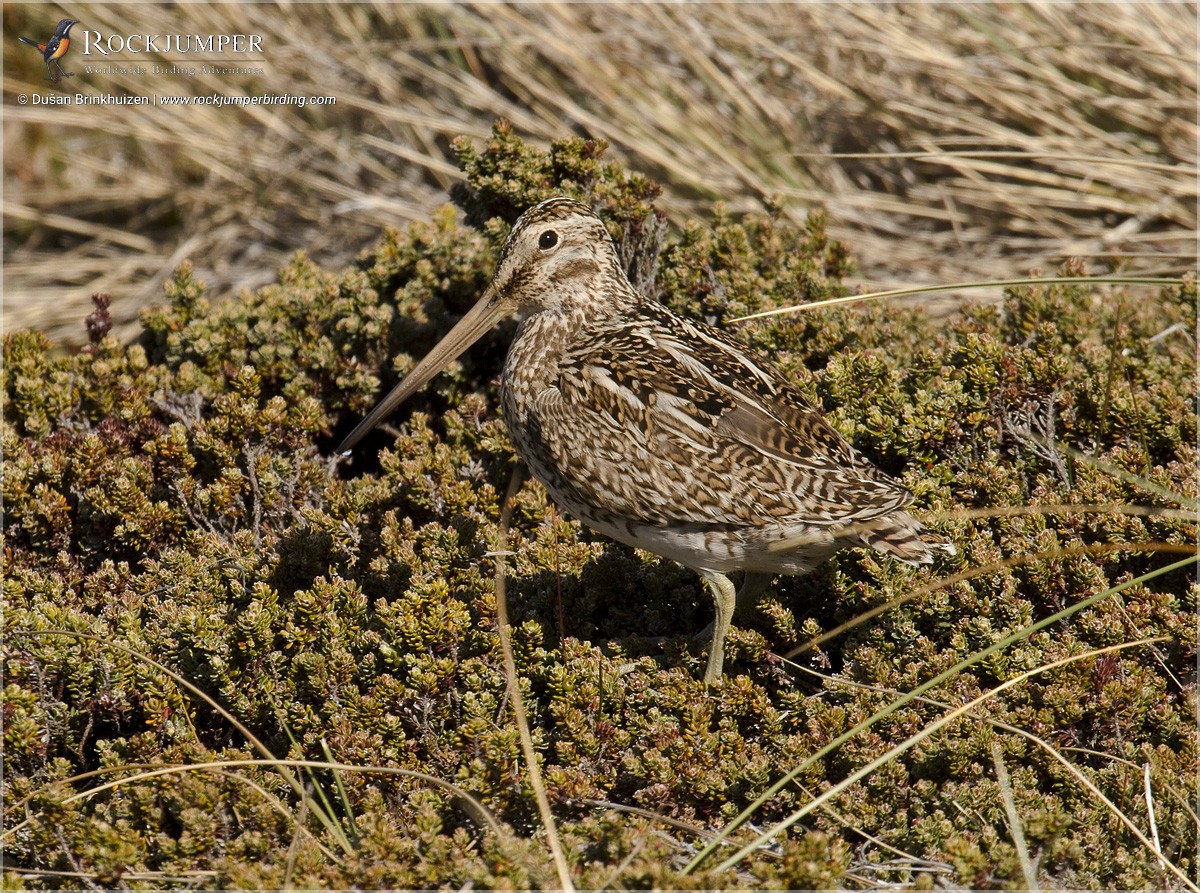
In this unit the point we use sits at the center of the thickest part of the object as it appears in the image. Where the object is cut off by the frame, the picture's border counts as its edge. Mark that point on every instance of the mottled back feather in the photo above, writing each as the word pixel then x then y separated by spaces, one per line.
pixel 698 408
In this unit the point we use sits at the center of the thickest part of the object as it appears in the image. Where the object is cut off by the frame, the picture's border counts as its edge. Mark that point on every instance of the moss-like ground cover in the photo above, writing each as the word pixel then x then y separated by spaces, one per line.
pixel 173 501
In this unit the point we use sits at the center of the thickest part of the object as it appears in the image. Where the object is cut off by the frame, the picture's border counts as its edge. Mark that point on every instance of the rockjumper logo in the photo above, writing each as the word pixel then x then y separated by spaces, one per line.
pixel 54 49
pixel 212 44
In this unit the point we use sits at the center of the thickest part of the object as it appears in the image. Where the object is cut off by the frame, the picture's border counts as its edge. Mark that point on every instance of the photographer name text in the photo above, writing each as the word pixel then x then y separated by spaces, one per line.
pixel 212 99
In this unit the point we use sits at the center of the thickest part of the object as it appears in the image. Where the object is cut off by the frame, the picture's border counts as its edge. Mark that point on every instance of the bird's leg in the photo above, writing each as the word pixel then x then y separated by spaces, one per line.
pixel 725 599
pixel 753 586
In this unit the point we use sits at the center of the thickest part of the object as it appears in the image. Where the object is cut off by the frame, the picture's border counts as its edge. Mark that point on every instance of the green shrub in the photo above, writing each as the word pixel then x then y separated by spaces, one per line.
pixel 175 497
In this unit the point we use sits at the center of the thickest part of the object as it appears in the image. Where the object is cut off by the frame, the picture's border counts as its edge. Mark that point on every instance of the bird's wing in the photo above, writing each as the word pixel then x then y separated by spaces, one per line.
pixel 671 422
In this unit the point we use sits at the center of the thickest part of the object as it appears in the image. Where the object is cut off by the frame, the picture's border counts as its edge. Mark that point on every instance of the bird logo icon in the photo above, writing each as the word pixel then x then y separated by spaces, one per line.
pixel 54 49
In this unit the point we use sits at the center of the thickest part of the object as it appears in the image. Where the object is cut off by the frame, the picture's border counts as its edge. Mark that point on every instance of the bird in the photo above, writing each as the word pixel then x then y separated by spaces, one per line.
pixel 54 49
pixel 661 432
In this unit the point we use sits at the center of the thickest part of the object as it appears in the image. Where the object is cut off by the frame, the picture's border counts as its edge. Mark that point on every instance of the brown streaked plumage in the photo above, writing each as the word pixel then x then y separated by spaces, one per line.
pixel 663 433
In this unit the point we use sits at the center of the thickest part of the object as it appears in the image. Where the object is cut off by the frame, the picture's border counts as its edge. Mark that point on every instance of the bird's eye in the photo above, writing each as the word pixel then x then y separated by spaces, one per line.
pixel 547 240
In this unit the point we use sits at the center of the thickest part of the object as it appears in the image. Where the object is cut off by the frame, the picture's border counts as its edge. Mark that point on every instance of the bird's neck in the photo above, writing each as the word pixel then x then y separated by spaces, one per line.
pixel 535 357
pixel 536 352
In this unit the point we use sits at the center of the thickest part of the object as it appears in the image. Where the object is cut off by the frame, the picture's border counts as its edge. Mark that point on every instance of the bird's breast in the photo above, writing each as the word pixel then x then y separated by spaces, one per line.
pixel 547 436
pixel 533 364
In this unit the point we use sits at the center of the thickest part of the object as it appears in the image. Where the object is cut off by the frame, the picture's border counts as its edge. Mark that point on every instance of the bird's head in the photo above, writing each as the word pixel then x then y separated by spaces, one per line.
pixel 558 258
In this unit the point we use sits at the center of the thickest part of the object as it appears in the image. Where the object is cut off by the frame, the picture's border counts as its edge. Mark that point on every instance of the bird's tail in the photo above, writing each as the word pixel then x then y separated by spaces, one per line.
pixel 906 538
pixel 32 43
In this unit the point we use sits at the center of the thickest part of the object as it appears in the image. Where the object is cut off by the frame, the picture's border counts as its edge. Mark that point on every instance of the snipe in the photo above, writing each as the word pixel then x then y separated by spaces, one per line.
pixel 664 433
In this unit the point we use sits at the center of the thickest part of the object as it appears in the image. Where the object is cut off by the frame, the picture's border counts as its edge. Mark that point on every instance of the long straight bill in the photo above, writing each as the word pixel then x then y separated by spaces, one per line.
pixel 489 310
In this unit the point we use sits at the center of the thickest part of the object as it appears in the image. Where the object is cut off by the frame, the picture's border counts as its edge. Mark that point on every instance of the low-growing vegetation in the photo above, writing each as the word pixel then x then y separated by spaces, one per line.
pixel 232 660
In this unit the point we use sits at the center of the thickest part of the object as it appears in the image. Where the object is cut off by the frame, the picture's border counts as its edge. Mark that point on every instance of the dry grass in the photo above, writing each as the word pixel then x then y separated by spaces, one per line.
pixel 948 142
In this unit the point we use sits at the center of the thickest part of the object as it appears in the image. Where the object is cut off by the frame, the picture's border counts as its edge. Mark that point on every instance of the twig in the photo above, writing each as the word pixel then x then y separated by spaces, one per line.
pixel 1014 819
pixel 514 687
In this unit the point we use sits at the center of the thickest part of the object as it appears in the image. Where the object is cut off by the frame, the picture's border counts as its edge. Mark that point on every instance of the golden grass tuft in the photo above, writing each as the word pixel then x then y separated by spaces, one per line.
pixel 948 142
